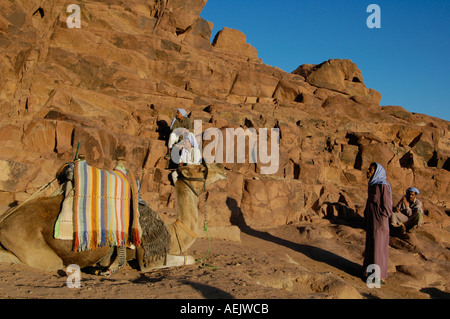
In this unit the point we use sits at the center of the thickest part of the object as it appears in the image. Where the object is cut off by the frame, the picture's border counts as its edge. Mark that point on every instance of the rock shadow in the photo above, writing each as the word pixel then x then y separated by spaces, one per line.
pixel 209 292
pixel 144 279
pixel 163 130
pixel 435 293
pixel 313 252
pixel 346 216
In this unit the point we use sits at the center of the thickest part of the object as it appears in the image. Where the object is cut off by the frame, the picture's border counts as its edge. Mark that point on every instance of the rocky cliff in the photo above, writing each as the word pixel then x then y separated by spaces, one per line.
pixel 113 85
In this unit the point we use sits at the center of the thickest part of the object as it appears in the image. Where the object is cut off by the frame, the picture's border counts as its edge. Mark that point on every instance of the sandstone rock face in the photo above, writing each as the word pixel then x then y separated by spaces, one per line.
pixel 235 42
pixel 341 76
pixel 113 85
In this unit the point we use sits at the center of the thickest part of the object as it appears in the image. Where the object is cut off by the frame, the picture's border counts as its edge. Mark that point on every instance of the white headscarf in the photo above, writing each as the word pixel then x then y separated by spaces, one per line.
pixel 193 141
pixel 183 112
pixel 192 156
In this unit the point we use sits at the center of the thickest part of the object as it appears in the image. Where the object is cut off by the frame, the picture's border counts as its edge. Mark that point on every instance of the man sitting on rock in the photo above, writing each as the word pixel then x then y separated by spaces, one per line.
pixel 190 154
pixel 180 125
pixel 409 211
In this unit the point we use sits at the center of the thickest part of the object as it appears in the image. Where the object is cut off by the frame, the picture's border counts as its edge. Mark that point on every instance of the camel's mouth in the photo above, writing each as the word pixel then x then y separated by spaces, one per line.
pixel 222 174
pixel 215 175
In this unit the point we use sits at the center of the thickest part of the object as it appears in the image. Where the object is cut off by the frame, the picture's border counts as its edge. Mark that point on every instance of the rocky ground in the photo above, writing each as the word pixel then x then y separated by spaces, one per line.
pixel 303 261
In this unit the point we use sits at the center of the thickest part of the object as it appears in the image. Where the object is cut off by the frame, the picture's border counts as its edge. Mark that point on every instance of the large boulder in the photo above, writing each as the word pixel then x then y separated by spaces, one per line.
pixel 234 42
pixel 272 202
pixel 339 75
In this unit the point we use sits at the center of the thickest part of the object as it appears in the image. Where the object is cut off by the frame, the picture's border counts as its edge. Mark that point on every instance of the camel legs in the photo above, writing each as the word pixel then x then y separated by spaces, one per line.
pixel 172 261
pixel 34 253
pixel 177 246
pixel 7 257
pixel 175 261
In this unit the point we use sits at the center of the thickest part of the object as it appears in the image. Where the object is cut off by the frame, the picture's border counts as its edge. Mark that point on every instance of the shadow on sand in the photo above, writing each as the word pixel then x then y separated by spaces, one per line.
pixel 315 253
pixel 209 292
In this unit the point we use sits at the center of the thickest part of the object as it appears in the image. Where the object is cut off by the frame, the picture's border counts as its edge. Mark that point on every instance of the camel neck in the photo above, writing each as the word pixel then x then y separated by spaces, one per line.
pixel 187 203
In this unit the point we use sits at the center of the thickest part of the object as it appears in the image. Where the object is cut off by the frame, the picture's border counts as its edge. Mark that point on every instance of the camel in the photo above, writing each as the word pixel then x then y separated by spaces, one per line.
pixel 27 234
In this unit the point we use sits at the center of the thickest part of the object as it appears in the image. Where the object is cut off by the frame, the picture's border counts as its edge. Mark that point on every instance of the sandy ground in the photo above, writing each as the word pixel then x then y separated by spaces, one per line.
pixel 304 261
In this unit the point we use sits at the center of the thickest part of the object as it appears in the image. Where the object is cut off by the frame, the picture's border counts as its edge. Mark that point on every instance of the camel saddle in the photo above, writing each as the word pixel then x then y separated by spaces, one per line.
pixel 100 207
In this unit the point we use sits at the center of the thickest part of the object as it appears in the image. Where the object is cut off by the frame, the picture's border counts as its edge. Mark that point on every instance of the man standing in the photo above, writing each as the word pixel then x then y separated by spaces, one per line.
pixel 409 211
pixel 376 217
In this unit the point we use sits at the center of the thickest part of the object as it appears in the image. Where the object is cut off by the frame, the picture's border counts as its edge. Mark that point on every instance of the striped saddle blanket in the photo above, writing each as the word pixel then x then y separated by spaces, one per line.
pixel 105 209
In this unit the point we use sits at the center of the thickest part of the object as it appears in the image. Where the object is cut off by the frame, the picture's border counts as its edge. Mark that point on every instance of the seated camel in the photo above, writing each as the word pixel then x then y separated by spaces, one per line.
pixel 28 235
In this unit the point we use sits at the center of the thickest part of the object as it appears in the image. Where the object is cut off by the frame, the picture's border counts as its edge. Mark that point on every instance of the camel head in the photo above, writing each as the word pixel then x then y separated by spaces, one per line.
pixel 216 172
pixel 195 174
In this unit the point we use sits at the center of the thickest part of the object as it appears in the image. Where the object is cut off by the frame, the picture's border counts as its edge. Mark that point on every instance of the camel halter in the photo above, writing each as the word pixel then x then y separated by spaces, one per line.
pixel 185 179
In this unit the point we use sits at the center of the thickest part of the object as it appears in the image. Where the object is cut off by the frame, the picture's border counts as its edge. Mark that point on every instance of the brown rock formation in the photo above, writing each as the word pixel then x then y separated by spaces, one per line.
pixel 114 84
pixel 341 76
pixel 234 42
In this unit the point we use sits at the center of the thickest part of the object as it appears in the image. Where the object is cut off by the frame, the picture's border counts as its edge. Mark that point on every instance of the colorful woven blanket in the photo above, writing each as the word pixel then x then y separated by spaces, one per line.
pixel 105 205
